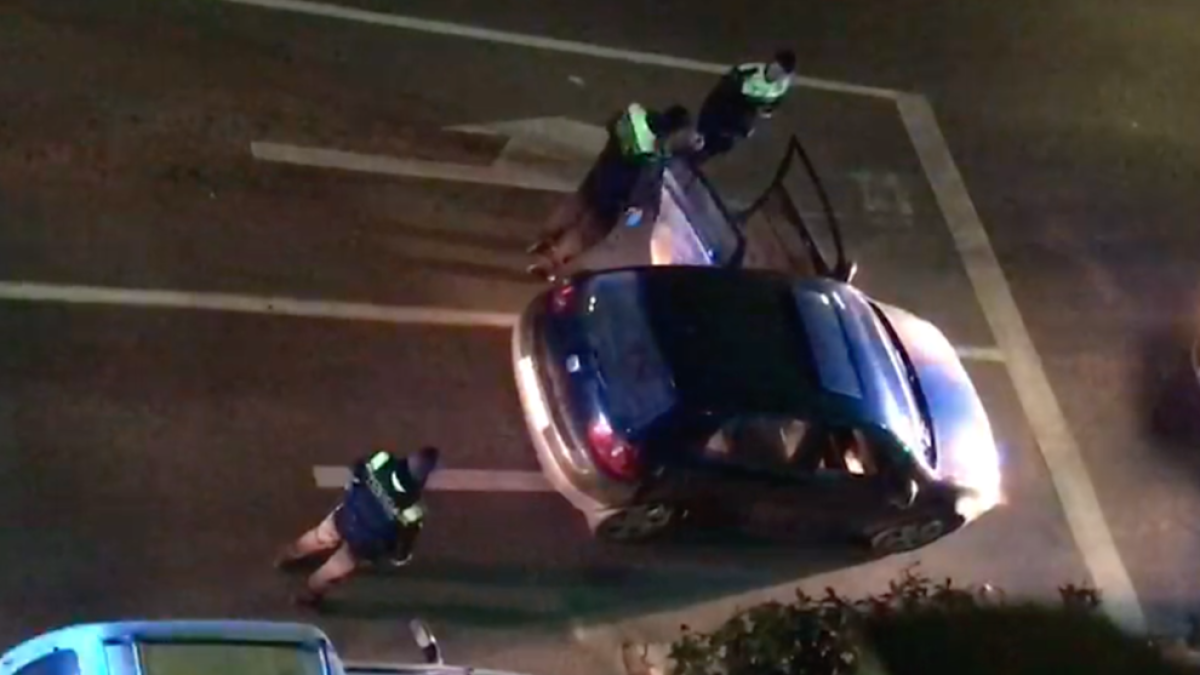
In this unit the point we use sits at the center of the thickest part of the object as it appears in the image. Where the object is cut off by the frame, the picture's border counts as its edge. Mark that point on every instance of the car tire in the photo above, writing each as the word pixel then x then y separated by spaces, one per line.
pixel 905 536
pixel 634 523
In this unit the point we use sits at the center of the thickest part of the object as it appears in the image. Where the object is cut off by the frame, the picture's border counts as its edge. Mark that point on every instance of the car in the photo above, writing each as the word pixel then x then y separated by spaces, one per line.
pixel 229 647
pixel 788 404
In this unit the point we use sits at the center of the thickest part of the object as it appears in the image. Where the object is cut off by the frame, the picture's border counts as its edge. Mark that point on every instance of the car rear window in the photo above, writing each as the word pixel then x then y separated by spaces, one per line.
pixel 732 341
pixel 634 376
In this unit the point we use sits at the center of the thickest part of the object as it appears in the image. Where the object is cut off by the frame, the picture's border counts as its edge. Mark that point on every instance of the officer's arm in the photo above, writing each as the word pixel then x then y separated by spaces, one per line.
pixel 768 109
pixel 408 538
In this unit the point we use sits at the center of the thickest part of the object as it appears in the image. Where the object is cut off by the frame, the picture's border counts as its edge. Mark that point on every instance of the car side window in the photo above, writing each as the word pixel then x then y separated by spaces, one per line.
pixel 761 443
pixel 844 451
pixel 58 662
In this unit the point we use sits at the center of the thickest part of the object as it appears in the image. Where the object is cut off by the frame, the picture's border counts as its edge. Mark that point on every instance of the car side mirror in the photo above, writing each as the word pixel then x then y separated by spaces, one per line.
pixel 426 641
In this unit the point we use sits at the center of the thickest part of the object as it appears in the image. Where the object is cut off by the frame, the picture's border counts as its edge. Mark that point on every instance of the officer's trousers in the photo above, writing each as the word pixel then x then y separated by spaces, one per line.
pixel 323 538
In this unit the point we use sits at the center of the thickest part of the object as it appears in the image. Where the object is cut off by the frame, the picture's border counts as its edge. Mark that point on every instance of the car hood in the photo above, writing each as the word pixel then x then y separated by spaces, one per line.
pixel 967 454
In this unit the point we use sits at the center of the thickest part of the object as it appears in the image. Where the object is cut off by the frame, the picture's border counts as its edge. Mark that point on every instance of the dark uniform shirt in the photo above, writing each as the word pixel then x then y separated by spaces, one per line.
pixel 727 110
pixel 381 504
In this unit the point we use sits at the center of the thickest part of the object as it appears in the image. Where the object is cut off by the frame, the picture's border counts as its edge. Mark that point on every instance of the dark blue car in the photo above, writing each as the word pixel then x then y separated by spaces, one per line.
pixel 789 406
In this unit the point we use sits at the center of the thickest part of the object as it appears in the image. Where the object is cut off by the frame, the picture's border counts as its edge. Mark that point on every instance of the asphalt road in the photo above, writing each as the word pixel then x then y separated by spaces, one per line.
pixel 153 459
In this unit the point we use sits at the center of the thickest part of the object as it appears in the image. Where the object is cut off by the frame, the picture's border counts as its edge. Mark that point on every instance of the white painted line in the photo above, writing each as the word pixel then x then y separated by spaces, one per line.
pixel 451 480
pixel 410 168
pixel 988 354
pixel 458 30
pixel 29 291
pixel 1054 436
pixel 23 291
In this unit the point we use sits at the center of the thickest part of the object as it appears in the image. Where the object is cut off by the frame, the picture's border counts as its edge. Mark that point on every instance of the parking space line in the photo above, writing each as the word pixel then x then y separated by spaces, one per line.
pixel 24 291
pixel 985 354
pixel 452 480
pixel 325 158
pixel 458 30
pixel 30 291
pixel 1067 469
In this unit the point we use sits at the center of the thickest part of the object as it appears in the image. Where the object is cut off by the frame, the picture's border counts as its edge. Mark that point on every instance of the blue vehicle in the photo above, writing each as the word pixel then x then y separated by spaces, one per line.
pixel 206 646
pixel 786 403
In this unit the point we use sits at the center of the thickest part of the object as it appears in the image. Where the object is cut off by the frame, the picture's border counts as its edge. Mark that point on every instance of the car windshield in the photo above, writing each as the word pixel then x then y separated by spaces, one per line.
pixel 919 436
pixel 731 341
pixel 228 658
pixel 699 205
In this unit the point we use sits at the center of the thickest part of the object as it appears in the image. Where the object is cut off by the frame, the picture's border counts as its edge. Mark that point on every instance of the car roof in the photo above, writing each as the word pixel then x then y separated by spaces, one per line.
pixel 86 637
pixel 851 371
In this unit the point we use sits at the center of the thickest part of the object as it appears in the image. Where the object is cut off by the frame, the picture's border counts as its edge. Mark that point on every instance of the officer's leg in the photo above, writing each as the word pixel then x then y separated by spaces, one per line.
pixel 320 539
pixel 406 541
pixel 580 231
pixel 588 232
pixel 336 569
pixel 561 221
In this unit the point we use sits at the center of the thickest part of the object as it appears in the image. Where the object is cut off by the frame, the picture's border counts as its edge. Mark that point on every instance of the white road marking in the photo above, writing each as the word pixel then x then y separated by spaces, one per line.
pixel 458 30
pixel 25 291
pixel 987 354
pixel 558 138
pixel 326 158
pixel 1055 439
pixel 451 480
pixel 31 291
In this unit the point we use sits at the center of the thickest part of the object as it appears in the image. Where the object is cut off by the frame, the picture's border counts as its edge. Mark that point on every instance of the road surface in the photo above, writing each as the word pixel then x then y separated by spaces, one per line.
pixel 155 458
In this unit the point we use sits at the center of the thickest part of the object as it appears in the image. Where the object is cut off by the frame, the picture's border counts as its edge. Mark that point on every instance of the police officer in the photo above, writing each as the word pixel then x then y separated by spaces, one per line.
pixel 378 518
pixel 741 97
pixel 624 184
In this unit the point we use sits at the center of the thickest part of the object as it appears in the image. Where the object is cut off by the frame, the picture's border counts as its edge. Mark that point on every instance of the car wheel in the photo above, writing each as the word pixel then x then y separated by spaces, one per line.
pixel 636 523
pixel 906 536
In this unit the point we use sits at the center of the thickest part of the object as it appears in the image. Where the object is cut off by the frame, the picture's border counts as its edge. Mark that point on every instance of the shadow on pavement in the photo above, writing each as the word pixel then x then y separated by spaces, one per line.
pixel 473 269
pixel 504 243
pixel 610 583
pixel 474 254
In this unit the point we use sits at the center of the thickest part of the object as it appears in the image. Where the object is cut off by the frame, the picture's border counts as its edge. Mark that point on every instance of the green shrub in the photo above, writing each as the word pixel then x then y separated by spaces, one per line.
pixel 920 627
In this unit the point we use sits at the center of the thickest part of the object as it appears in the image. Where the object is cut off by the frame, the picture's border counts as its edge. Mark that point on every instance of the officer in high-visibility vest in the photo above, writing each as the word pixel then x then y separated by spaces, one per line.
pixel 378 518
pixel 744 95
pixel 623 186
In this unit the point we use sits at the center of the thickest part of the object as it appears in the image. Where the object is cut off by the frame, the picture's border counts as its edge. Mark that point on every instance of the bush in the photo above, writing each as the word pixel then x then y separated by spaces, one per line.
pixel 920 627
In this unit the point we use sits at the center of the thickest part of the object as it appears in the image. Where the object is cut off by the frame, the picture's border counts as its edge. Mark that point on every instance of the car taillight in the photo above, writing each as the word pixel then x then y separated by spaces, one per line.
pixel 561 298
pixel 614 455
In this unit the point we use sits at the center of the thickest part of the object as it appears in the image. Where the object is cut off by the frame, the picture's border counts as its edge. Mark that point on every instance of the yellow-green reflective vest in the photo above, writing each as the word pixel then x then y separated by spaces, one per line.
pixel 390 493
pixel 633 132
pixel 757 87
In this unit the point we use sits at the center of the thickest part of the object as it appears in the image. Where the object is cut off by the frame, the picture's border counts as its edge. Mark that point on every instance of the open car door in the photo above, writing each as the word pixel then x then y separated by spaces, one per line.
pixel 778 235
pixel 693 227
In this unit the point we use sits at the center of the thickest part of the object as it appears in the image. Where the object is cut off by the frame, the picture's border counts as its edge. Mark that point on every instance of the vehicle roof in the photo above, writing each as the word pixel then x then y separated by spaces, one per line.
pixel 850 371
pixel 84 636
